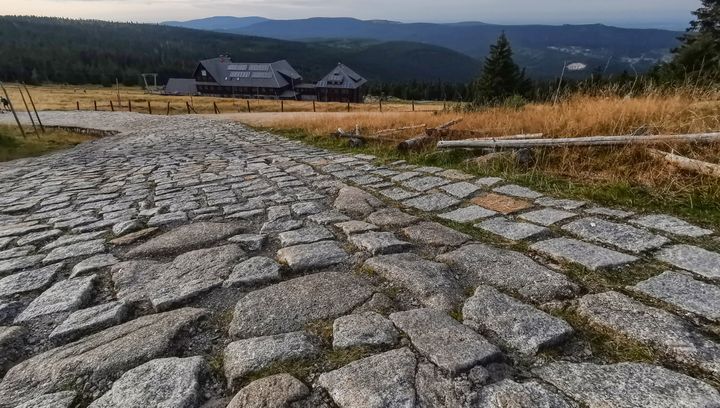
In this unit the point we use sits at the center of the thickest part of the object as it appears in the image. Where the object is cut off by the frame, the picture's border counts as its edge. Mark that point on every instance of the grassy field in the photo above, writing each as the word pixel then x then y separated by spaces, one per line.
pixel 618 176
pixel 59 97
pixel 14 146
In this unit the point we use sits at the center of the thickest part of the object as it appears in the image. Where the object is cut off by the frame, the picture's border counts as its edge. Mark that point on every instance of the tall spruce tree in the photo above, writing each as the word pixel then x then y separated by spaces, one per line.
pixel 699 54
pixel 501 78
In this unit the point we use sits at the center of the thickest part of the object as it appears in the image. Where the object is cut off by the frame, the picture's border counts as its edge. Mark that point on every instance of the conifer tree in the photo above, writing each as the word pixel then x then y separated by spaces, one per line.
pixel 501 78
pixel 699 53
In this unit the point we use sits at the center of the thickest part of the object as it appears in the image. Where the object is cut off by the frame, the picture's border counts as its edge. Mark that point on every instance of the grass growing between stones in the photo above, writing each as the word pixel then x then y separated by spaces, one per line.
pixel 624 177
pixel 14 146
pixel 615 278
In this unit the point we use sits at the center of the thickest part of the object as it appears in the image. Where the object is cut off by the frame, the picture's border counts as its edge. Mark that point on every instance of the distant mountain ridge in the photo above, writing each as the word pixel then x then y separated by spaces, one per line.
pixel 542 49
pixel 218 23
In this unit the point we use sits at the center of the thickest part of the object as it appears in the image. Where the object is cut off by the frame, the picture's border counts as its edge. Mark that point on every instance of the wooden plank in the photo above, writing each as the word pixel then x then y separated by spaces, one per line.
pixel 685 163
pixel 578 141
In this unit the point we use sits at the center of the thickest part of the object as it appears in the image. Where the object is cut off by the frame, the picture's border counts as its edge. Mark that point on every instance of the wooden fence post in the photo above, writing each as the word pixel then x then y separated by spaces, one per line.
pixel 27 108
pixel 380 105
pixel 129 105
pixel 33 106
pixel 95 105
pixel 112 108
pixel 314 106
pixel 282 106
pixel 12 109
pixel 187 105
pixel 348 106
pixel 149 108
pixel 248 105
pixel 413 105
pixel 168 108
pixel 77 105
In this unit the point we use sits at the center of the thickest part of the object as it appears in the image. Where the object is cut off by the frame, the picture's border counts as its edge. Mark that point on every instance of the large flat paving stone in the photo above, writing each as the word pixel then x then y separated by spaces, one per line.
pixel 508 270
pixel 354 201
pixel 519 326
pixel 508 393
pixel 12 344
pixel 363 329
pixel 29 281
pixel 254 271
pixel 467 214
pixel 164 285
pixel 186 238
pixel 432 283
pixel 547 216
pixel 279 390
pixel 431 202
pixel 693 259
pixel 312 256
pixel 588 255
pixel 377 243
pixel 391 217
pixel 450 345
pixel 289 305
pixel 683 292
pixel 462 189
pixel 380 381
pixel 306 235
pixel 164 382
pixel 425 183
pixel 517 191
pixel 561 203
pixel 432 233
pixel 664 332
pixel 15 264
pixel 628 385
pixel 244 357
pixel 91 319
pixel 671 225
pixel 501 203
pixel 64 296
pixel 86 248
pixel 511 230
pixel 95 358
pixel 62 399
pixel 622 236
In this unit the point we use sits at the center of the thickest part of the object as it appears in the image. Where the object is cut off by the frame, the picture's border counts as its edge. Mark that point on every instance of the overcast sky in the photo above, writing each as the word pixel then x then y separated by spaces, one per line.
pixel 619 12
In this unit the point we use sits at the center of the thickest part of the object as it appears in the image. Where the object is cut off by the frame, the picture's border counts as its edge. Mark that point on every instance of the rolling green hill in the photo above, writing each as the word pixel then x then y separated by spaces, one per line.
pixel 39 49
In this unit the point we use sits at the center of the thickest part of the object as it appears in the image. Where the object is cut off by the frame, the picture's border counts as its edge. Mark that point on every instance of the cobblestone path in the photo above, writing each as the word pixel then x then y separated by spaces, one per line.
pixel 191 262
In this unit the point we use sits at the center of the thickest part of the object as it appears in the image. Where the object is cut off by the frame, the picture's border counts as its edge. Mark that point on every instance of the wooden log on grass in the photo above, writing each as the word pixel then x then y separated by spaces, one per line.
pixel 397 130
pixel 426 139
pixel 578 141
pixel 685 163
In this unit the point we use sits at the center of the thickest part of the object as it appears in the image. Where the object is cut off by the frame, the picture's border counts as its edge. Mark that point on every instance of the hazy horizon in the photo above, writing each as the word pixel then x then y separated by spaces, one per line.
pixel 666 14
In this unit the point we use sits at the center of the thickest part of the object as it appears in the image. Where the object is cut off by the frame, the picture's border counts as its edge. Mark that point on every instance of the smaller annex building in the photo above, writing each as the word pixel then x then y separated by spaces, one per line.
pixel 276 80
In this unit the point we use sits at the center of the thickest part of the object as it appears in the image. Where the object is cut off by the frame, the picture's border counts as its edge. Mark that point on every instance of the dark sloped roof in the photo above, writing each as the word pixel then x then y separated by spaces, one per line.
pixel 181 86
pixel 342 77
pixel 277 74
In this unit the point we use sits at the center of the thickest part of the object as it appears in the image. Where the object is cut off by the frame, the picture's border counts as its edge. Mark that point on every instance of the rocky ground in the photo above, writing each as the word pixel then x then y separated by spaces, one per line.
pixel 193 262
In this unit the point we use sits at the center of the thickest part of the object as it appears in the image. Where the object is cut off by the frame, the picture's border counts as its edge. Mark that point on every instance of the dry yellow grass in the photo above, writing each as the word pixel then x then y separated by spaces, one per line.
pixel 60 97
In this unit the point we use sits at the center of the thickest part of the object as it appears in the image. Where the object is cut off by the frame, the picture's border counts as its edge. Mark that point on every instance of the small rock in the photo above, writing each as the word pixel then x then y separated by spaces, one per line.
pixel 126 227
pixel 249 242
pixel 134 236
pixel 356 227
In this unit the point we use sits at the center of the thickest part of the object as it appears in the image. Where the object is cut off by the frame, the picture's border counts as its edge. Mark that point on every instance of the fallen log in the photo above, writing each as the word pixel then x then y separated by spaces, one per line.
pixel 428 138
pixel 398 130
pixel 449 124
pixel 578 141
pixel 685 163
